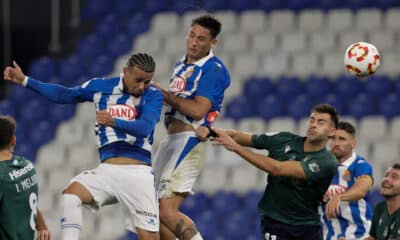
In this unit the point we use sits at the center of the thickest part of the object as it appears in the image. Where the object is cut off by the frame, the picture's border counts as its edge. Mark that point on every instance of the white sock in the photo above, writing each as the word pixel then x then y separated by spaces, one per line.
pixel 197 237
pixel 71 220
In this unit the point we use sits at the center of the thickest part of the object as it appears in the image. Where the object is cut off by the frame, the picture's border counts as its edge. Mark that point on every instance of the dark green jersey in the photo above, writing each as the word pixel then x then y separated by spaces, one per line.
pixel 18 199
pixel 385 226
pixel 291 200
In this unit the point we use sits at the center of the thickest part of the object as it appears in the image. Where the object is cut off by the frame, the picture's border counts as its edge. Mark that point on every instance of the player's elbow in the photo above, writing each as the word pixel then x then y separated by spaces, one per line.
pixel 276 170
pixel 198 115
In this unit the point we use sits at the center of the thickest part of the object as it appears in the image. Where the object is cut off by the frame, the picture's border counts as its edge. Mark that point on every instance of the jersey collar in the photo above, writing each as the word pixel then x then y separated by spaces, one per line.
pixel 350 160
pixel 201 61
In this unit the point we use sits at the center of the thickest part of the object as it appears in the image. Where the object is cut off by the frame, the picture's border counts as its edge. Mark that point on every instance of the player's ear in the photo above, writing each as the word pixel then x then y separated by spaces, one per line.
pixel 13 141
pixel 214 42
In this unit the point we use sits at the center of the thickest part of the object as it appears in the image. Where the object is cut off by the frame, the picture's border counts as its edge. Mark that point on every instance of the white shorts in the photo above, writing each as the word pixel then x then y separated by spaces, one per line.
pixel 177 163
pixel 131 185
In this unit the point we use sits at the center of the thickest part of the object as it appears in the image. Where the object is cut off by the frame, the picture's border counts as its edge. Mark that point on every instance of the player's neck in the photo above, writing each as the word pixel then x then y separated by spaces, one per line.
pixel 5 154
pixel 343 159
pixel 393 204
pixel 313 146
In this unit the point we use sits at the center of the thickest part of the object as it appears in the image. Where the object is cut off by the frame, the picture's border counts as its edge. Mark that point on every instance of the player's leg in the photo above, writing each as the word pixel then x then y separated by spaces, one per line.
pixel 147 235
pixel 174 221
pixel 72 199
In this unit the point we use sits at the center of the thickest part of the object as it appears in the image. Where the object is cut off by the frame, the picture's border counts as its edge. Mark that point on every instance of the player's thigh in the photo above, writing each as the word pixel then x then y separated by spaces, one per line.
pixel 147 235
pixel 79 190
pixel 135 190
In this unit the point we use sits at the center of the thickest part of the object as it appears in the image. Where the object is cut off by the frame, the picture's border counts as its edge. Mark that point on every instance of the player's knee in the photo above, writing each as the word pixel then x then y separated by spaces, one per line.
pixel 167 215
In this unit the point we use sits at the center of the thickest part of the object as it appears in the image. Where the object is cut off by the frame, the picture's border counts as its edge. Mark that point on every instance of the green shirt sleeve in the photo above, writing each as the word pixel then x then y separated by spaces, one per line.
pixel 319 168
pixel 270 139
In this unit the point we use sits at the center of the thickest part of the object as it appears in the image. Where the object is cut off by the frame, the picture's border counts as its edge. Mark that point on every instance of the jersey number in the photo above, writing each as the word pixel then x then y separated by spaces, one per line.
pixel 33 205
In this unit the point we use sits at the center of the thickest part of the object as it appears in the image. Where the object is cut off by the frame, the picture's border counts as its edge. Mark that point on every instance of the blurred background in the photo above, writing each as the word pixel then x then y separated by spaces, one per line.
pixel 283 56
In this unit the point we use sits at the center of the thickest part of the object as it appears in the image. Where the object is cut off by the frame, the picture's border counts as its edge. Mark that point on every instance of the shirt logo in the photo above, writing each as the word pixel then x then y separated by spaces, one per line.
pixel 347 175
pixel 178 84
pixel 287 148
pixel 121 111
pixel 314 167
pixel 189 72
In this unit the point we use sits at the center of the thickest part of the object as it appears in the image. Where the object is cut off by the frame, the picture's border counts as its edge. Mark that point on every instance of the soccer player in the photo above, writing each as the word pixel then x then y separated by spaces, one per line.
pixel 386 219
pixel 300 171
pixel 19 215
pixel 347 214
pixel 127 110
pixel 194 99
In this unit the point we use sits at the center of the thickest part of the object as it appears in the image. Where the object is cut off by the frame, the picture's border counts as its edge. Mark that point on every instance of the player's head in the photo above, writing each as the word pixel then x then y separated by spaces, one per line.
pixel 322 123
pixel 138 73
pixel 343 141
pixel 390 186
pixel 202 37
pixel 7 132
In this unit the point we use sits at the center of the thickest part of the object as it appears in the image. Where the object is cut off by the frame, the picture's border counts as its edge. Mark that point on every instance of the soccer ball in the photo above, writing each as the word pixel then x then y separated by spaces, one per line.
pixel 362 59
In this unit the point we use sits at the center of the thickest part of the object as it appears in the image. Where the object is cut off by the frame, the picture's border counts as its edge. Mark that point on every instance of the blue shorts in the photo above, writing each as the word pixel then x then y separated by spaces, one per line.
pixel 274 230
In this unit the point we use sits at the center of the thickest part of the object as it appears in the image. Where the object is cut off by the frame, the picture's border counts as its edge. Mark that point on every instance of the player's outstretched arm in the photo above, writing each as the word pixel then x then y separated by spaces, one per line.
pixel 14 73
pixel 43 232
pixel 265 163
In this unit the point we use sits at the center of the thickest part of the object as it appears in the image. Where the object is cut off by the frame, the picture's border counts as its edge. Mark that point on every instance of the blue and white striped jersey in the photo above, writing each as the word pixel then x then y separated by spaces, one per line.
pixel 354 219
pixel 208 78
pixel 136 118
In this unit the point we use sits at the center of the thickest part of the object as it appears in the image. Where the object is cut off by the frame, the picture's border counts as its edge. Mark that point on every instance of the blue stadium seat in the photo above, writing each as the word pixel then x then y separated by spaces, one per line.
pixel 118 45
pixel 61 112
pixel 8 107
pixel 375 196
pixel 270 107
pixel 100 67
pixel 240 5
pixel 336 102
pixel 208 224
pixel 127 7
pixel 348 86
pixel 357 4
pixel 385 4
pixel 287 87
pixel 378 86
pixel 236 226
pixel 195 204
pixel 297 5
pixel 34 111
pixel 361 106
pixel 180 6
pixel 299 107
pixel 90 47
pixel 95 9
pixel 396 83
pixel 240 107
pixel 70 69
pixel 154 6
pixel 130 236
pixel 271 5
pixel 257 88
pixel 136 24
pixel 27 150
pixel 43 68
pixel 107 27
pixel 317 88
pixel 224 202
pixel 41 132
pixel 389 106
pixel 215 5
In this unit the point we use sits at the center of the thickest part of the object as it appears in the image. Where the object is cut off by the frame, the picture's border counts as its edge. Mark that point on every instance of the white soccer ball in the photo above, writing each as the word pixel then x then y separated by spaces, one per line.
pixel 362 59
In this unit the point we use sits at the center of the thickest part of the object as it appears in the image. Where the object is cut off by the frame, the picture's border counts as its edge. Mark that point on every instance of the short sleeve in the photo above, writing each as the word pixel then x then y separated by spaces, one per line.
pixel 208 85
pixel 363 168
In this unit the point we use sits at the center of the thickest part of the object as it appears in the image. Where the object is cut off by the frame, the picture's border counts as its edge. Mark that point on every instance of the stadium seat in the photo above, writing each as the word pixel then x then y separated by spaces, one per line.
pixel 322 42
pixel 339 20
pixel 373 128
pixel 391 19
pixel 240 6
pixel 240 107
pixel 378 86
pixel 257 88
pixel 62 112
pixel 233 43
pixel 318 88
pixel 348 86
pixel 213 179
pixel 299 107
pixel 51 156
pixel 390 66
pixel 244 179
pixel 288 87
pixel 148 43
pixel 327 5
pixel 126 7
pixel 252 22
pixel 34 111
pixel 384 40
pixel 95 9
pixel 173 45
pixel 138 23
pixel 293 42
pixel 263 42
pixel 305 64
pixel 118 45
pixel 361 106
pixel 100 67
pixel 270 107
pixel 9 107
pixel 43 68
pixel 385 151
pixel 336 102
pixel 244 65
pixel 348 38
pixel 252 125
pixel 272 5
pixel 235 227
pixel 332 64
pixel 155 6
pixel 368 19
pixel 41 132
pixel 281 124
pixel 207 224
pixel 107 27
pixel 90 47
pixel 166 23
pixel 225 202
pixel 310 21
pixel 212 6
pixel 71 69
pixel 394 128
pixel 227 18
pixel 281 21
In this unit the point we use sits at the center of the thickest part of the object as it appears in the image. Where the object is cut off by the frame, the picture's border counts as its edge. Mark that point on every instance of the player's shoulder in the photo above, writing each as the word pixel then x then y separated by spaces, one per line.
pixel 360 160
pixel 152 91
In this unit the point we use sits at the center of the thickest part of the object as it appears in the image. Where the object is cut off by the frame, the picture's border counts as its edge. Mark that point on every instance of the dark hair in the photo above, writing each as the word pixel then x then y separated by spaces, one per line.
pixel 143 61
pixel 329 109
pixel 396 165
pixel 209 22
pixel 348 127
pixel 7 131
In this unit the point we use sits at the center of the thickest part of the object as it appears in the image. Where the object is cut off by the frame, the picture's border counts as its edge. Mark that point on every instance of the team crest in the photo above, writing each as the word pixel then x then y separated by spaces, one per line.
pixel 189 72
pixel 314 167
pixel 347 175
pixel 178 84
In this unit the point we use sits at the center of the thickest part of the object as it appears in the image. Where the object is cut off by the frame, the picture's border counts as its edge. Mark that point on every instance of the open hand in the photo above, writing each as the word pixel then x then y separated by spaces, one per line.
pixel 225 140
